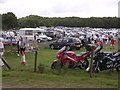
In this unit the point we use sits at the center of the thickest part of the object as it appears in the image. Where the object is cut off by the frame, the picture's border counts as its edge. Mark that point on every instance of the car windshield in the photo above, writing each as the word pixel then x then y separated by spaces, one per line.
pixel 76 40
pixel 73 40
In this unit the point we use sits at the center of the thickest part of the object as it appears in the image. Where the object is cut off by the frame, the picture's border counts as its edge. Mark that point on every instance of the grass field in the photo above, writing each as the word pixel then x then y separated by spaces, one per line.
pixel 25 77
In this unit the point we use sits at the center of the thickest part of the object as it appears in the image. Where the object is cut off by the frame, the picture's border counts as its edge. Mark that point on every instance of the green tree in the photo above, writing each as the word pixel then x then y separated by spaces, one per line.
pixel 9 20
pixel 93 22
pixel 29 21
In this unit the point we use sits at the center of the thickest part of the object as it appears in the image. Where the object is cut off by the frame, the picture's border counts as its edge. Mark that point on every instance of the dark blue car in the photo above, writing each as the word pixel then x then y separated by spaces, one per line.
pixel 73 43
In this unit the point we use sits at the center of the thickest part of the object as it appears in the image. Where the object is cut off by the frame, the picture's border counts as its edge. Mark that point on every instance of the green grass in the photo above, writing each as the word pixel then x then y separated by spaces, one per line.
pixel 76 79
pixel 24 76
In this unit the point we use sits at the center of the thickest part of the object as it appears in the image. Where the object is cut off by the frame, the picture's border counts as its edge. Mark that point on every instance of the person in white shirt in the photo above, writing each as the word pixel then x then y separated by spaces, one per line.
pixel 22 46
pixel 1 52
pixel 106 39
pixel 101 38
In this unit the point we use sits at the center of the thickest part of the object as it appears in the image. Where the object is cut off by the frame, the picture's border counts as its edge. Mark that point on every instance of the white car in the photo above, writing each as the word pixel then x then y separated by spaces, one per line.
pixel 1 39
pixel 7 40
pixel 49 38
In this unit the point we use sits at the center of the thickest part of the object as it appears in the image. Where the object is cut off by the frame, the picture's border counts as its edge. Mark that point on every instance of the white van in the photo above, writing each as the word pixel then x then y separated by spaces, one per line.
pixel 30 33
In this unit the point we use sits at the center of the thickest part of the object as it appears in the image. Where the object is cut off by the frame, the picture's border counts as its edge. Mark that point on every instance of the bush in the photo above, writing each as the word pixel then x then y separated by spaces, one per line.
pixel 41 68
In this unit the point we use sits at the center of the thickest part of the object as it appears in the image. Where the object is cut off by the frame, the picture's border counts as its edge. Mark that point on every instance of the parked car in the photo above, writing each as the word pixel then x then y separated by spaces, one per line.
pixel 73 43
pixel 58 35
pixel 49 38
pixel 50 34
pixel 1 39
pixel 7 41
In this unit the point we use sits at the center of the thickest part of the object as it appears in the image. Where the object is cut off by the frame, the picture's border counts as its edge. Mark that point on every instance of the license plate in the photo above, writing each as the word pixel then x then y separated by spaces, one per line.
pixel 78 45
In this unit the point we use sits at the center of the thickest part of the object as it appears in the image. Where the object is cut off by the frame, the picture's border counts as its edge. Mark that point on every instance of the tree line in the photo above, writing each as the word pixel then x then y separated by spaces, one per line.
pixel 10 21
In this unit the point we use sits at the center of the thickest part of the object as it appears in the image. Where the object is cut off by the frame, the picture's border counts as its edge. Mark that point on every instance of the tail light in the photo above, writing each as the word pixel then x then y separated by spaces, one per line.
pixel 72 43
pixel 94 48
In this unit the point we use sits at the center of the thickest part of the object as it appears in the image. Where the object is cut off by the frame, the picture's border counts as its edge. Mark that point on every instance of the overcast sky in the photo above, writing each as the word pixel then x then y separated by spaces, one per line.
pixel 61 8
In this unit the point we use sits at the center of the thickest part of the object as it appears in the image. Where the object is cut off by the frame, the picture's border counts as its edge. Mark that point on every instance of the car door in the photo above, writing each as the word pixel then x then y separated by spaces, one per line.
pixel 58 43
pixel 64 42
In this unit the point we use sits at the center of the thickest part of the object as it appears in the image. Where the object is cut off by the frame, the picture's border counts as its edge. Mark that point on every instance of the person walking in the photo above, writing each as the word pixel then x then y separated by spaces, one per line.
pixel 27 44
pixel 105 39
pixel 22 45
pixel 18 48
pixel 112 42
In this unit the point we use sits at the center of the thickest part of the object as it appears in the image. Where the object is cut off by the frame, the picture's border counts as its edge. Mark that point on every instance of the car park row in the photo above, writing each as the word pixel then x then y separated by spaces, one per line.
pixel 63 35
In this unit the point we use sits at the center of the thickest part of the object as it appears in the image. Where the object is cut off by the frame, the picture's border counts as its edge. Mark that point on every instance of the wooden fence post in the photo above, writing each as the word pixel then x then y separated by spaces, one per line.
pixel 11 46
pixel 35 64
pixel 91 63
pixel 5 62
pixel 35 48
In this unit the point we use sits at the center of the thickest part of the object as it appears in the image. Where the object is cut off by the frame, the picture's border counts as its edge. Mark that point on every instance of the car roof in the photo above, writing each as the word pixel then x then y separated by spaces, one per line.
pixel 70 38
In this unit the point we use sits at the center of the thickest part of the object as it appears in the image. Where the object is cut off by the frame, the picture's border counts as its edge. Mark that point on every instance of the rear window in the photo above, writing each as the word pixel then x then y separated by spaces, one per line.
pixel 76 40
pixel 70 40
pixel 65 40
pixel 60 40
pixel 10 38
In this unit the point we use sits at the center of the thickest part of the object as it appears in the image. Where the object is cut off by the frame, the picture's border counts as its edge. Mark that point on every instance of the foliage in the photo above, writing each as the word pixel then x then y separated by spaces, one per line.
pixel 93 22
pixel 10 21
pixel 41 68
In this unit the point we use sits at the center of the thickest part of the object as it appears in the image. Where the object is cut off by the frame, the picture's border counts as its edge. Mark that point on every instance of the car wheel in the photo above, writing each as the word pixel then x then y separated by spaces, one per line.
pixel 38 40
pixel 118 68
pixel 78 48
pixel 52 47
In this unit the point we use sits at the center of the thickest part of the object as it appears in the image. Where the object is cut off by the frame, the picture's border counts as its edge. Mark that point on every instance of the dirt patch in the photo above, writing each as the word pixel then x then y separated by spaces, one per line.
pixel 14 86
pixel 24 86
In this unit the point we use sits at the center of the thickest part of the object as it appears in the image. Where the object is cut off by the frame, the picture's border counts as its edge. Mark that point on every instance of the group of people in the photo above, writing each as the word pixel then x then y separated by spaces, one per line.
pixel 107 38
pixel 21 44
